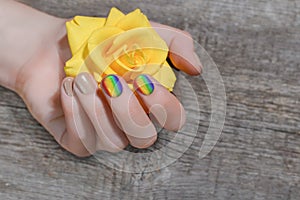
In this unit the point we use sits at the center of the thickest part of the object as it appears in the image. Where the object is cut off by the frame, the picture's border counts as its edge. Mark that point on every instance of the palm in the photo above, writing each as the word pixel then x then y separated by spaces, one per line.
pixel 41 90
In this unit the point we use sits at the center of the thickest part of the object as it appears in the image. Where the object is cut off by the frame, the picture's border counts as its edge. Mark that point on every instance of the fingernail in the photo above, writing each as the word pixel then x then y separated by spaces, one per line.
pixel 198 62
pixel 85 83
pixel 68 86
pixel 112 86
pixel 145 85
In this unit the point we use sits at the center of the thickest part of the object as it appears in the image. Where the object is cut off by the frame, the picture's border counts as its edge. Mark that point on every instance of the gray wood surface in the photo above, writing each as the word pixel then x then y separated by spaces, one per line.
pixel 256 45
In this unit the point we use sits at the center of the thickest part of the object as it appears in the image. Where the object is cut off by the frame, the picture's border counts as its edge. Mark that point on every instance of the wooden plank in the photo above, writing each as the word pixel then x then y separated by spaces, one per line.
pixel 256 46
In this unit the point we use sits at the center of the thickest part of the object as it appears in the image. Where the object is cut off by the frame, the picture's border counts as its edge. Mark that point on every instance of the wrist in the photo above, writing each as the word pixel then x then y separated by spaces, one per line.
pixel 26 33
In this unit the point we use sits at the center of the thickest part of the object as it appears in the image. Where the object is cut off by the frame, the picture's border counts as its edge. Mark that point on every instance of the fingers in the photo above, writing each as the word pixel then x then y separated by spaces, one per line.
pixel 111 138
pixel 92 123
pixel 163 105
pixel 79 135
pixel 181 48
pixel 128 112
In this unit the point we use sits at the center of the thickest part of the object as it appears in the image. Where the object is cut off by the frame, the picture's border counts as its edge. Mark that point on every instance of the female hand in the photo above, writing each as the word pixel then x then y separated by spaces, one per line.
pixel 84 118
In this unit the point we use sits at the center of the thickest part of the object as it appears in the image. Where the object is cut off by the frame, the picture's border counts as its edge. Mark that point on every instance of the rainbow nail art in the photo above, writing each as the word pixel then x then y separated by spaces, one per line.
pixel 145 85
pixel 112 86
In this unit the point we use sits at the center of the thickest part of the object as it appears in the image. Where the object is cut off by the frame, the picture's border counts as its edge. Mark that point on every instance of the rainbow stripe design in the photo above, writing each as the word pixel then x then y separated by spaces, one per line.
pixel 112 86
pixel 145 85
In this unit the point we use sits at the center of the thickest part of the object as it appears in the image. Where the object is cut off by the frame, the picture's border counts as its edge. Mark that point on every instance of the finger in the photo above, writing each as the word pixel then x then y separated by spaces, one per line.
pixel 163 105
pixel 111 138
pixel 128 112
pixel 79 135
pixel 181 48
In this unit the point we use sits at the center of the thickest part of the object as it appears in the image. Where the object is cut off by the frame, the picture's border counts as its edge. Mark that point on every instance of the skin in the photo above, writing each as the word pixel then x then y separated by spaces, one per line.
pixel 83 122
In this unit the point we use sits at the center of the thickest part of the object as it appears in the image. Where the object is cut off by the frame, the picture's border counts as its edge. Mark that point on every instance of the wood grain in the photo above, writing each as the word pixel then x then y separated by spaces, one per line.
pixel 256 45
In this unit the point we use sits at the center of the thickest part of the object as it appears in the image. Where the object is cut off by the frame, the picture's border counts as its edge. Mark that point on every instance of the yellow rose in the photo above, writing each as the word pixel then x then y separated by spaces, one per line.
pixel 120 44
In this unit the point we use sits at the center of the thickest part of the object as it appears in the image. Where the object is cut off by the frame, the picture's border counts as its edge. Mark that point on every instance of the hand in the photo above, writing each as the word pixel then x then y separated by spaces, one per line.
pixel 96 119
pixel 82 117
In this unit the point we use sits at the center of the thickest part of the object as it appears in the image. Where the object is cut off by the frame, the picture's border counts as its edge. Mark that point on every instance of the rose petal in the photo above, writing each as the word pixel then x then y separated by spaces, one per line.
pixel 80 29
pixel 166 76
pixel 114 17
pixel 135 19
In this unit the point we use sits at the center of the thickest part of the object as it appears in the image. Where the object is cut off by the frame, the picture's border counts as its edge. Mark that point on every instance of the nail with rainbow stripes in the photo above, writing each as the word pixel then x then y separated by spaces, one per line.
pixel 144 85
pixel 112 86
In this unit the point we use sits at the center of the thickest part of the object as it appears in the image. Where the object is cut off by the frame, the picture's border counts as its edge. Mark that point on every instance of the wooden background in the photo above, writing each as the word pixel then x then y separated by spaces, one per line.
pixel 255 43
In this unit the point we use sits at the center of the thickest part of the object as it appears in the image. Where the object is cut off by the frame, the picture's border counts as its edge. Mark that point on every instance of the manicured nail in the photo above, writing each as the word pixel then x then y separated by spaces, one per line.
pixel 85 83
pixel 145 85
pixel 68 86
pixel 198 62
pixel 112 86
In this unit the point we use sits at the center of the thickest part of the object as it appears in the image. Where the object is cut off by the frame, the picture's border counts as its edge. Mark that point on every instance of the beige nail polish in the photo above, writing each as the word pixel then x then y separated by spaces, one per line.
pixel 85 84
pixel 68 86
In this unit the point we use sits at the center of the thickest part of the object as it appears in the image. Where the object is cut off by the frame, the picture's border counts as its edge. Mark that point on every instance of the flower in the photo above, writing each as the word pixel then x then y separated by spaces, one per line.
pixel 120 44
